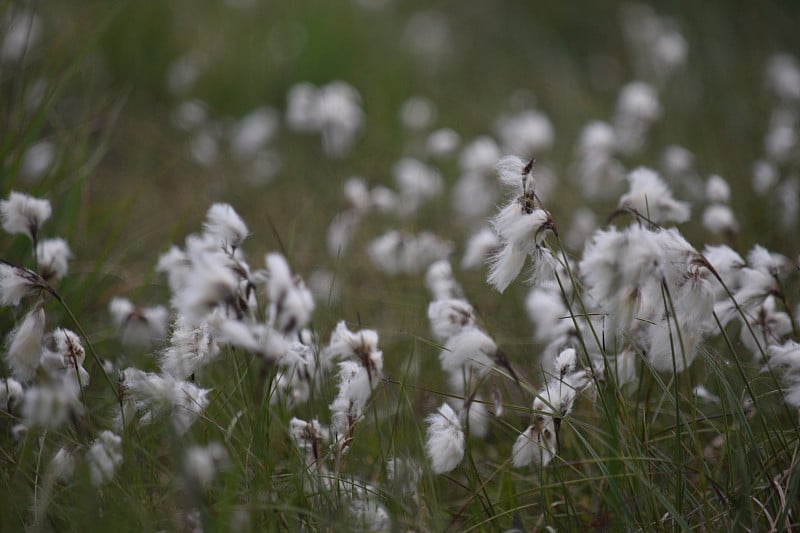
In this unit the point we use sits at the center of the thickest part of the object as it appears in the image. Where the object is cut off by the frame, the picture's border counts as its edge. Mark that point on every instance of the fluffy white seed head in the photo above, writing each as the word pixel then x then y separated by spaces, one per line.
pixel 225 225
pixel 448 317
pixel 468 354
pixel 104 457
pixel 480 247
pixel 652 198
pixel 138 326
pixel 24 345
pixel 445 442
pixel 17 283
pixel 23 214
pixel 290 302
pixel 720 220
pixel 717 190
pixel 11 394
pixel 190 348
pixel 479 156
pixel 440 281
pixel 202 463
pixel 537 444
pixel 53 256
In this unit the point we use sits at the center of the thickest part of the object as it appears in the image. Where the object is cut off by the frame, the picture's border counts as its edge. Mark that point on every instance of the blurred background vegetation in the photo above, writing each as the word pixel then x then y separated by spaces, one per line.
pixel 107 68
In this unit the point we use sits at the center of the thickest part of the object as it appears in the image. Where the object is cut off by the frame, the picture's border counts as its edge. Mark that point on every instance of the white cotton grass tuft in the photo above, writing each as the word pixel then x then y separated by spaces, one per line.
pixel 291 303
pixel 445 441
pixel 104 457
pixel 537 444
pixel 50 406
pixel 190 348
pixel 480 247
pixel 138 326
pixel 397 252
pixel 441 283
pixel 520 226
pixel 201 463
pixel 16 283
pixel 156 394
pixel 720 220
pixel 417 183
pixel 595 168
pixel 717 190
pixel 637 109
pixel 11 394
pixel 52 256
pixel 650 197
pixel 24 345
pixel 226 225
pixel 526 132
pixel 23 214
pixel 449 317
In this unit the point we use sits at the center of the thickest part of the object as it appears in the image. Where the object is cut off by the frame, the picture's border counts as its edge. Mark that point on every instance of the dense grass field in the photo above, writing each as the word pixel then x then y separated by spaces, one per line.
pixel 399 266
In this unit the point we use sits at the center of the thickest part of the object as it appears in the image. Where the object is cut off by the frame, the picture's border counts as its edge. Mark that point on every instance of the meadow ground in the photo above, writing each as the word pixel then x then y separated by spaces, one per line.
pixel 659 381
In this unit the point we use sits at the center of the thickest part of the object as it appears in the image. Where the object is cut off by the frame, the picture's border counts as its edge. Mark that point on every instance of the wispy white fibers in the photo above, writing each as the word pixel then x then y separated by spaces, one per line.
pixel 520 225
pixel 635 277
pixel 190 348
pixel 225 224
pixel 24 345
pixel 16 283
pixel 445 442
